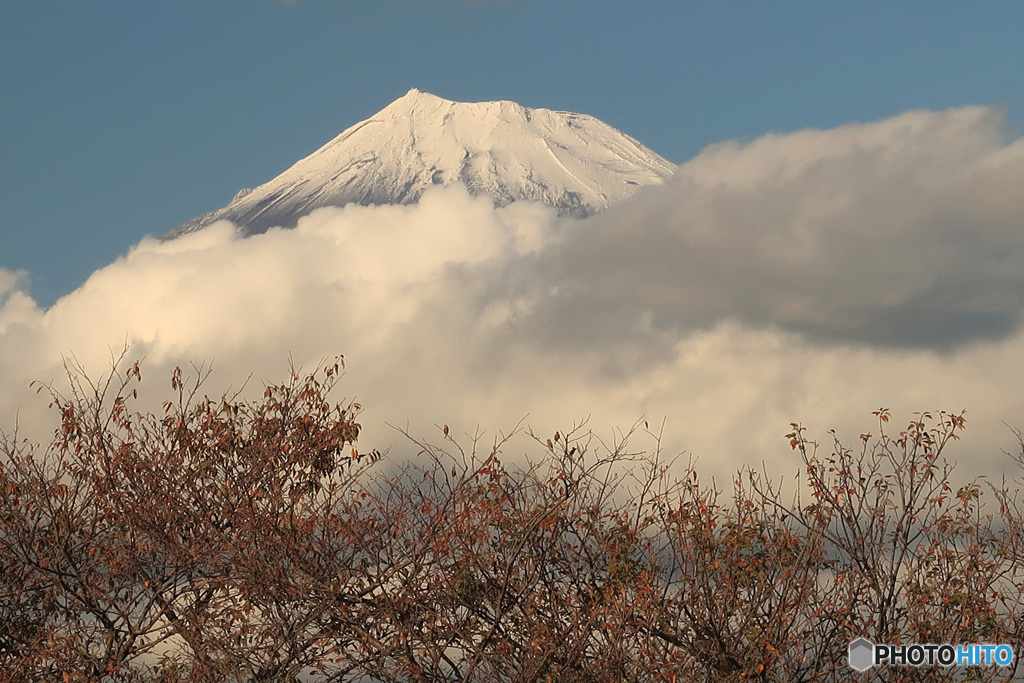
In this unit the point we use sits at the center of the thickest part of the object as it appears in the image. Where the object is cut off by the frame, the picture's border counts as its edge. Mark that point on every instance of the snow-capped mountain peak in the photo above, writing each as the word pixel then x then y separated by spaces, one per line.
pixel 500 149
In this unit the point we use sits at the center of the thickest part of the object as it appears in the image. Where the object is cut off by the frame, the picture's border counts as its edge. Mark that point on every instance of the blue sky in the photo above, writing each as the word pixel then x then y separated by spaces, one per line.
pixel 123 118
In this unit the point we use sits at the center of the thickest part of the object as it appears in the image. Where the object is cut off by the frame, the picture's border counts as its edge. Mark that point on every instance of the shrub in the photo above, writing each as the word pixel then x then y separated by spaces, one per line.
pixel 235 540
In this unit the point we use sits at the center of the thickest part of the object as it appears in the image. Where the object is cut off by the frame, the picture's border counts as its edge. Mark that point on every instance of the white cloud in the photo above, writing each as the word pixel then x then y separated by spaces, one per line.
pixel 15 304
pixel 903 233
pixel 807 277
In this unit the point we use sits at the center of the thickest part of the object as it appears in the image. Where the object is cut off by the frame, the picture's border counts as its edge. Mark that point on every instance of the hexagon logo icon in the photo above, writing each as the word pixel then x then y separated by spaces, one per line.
pixel 862 654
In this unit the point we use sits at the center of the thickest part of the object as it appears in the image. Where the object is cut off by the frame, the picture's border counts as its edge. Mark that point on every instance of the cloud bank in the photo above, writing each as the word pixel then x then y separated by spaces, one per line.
pixel 810 277
pixel 904 233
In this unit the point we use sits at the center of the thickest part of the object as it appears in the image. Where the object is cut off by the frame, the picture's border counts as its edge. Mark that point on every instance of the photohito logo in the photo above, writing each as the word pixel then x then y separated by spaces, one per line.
pixel 863 654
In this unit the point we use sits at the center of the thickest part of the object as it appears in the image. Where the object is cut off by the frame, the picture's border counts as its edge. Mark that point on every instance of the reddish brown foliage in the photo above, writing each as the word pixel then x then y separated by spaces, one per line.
pixel 235 540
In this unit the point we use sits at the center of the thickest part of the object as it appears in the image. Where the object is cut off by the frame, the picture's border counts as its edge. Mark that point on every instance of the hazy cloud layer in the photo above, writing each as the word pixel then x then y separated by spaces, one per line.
pixel 806 277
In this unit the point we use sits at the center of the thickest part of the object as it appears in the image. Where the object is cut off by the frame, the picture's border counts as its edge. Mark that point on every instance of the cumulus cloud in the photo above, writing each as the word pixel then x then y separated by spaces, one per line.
pixel 806 277
pixel 14 300
pixel 903 233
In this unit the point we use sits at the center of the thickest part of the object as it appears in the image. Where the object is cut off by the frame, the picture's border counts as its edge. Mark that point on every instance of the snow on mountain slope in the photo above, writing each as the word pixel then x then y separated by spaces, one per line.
pixel 573 162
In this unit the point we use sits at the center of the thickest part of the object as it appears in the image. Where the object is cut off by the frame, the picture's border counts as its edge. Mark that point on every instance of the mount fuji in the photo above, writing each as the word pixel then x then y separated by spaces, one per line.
pixel 573 162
